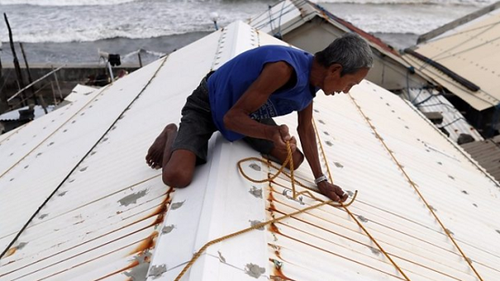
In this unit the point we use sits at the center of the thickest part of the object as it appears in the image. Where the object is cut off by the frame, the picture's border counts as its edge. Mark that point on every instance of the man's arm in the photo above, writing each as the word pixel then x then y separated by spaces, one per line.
pixel 308 139
pixel 273 76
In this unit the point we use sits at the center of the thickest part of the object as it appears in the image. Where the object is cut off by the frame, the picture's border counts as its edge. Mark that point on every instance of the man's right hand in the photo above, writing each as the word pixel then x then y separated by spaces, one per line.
pixel 332 191
pixel 281 136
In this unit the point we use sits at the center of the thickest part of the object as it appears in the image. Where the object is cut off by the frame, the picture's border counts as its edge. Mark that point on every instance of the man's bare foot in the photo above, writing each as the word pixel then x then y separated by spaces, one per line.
pixel 154 158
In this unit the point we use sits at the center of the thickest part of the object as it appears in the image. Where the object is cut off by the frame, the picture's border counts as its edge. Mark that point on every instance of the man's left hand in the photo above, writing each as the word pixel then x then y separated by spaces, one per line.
pixel 332 191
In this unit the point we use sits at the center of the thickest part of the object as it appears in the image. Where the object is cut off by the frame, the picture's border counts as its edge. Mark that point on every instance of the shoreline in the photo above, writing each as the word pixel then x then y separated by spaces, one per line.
pixel 86 53
pixel 46 54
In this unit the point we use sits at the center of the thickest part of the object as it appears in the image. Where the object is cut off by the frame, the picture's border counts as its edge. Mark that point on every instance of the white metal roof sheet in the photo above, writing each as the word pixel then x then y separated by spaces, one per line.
pixel 97 208
pixel 108 217
pixel 472 51
pixel 325 243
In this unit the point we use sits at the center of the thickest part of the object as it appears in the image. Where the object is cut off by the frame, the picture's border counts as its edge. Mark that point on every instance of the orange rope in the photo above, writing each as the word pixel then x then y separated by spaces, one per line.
pixel 352 215
pixel 260 225
pixel 295 194
pixel 415 187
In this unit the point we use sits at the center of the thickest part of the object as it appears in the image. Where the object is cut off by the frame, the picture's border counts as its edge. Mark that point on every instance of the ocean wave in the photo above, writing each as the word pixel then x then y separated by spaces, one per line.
pixel 142 19
pixel 104 34
pixel 138 20
pixel 115 2
pixel 65 2
pixel 413 2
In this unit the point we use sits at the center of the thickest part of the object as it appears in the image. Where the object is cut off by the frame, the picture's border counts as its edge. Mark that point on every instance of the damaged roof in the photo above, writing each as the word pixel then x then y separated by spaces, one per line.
pixel 431 101
pixel 464 58
pixel 82 202
pixel 487 154
pixel 287 15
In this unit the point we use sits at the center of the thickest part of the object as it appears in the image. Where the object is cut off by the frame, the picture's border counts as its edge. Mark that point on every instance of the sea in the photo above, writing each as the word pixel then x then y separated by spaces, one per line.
pixel 74 31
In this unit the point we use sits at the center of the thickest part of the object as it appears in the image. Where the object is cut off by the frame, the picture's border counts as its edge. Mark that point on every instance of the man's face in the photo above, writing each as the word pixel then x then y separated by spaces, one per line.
pixel 334 83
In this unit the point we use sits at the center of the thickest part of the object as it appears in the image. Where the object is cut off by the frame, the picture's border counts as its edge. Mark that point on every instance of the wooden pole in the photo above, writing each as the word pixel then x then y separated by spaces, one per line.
pixel 30 80
pixel 57 82
pixel 53 93
pixel 139 55
pixel 16 62
pixel 3 94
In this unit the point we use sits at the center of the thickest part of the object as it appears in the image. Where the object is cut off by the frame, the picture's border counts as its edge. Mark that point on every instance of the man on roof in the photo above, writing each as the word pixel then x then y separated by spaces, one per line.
pixel 241 97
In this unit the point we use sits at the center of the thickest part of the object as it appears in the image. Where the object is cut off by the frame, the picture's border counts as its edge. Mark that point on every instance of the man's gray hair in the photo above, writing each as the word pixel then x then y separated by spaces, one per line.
pixel 350 51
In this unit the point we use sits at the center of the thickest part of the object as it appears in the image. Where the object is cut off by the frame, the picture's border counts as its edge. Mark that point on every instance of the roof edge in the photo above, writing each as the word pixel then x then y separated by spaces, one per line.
pixel 372 39
pixel 450 73
pixel 460 21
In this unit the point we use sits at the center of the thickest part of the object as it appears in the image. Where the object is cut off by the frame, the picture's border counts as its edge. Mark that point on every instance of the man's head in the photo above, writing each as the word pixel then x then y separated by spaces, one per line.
pixel 345 62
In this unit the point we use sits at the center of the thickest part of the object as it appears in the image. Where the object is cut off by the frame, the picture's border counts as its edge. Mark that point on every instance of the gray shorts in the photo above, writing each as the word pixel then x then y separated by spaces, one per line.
pixel 197 126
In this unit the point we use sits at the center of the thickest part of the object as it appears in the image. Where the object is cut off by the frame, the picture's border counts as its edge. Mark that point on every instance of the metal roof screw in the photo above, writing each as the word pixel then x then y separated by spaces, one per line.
pixel 285 192
pixel 278 264
pixel 300 200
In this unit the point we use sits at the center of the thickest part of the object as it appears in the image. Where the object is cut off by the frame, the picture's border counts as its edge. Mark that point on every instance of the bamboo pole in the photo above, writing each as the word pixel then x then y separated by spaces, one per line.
pixel 30 80
pixel 3 94
pixel 4 105
pixel 140 59
pixel 16 62
pixel 36 81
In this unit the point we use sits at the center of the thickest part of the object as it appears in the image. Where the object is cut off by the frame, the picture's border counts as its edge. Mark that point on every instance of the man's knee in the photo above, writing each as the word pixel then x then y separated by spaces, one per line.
pixel 177 178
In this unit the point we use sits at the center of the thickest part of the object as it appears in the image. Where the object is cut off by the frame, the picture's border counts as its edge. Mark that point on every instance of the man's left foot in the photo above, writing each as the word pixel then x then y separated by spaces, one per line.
pixel 154 158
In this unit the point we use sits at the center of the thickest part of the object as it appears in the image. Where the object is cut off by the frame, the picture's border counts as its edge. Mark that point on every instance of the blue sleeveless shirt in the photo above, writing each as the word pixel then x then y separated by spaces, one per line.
pixel 231 80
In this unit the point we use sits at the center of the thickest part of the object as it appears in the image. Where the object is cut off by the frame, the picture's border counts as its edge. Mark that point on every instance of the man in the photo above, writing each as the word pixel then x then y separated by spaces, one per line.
pixel 241 97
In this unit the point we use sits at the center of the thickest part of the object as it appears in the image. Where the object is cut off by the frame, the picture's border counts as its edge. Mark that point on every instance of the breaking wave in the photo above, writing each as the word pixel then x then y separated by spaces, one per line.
pixel 64 2
pixel 418 2
pixel 36 21
pixel 115 2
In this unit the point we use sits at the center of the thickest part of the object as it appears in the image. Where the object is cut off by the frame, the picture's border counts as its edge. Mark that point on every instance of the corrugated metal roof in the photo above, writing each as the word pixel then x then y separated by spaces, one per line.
pixel 326 243
pixel 470 50
pixel 83 200
pixel 454 122
pixel 387 204
pixel 106 217
pixel 487 154
pixel 68 185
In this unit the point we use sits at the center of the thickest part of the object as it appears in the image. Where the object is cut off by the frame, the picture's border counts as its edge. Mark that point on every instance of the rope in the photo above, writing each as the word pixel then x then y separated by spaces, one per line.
pixel 260 225
pixel 263 224
pixel 352 215
pixel 288 160
pixel 415 187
